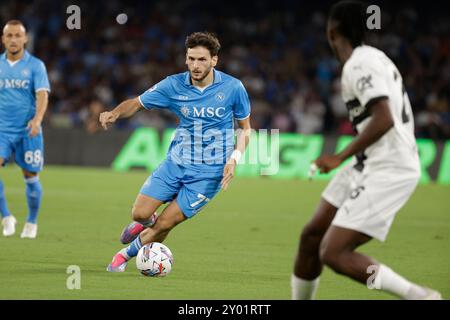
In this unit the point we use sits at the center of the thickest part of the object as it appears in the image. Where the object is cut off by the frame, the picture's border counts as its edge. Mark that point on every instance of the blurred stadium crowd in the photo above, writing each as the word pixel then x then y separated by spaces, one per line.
pixel 278 49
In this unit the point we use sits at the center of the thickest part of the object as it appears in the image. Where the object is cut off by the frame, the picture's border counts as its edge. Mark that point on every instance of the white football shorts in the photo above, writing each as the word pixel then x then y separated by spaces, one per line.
pixel 368 202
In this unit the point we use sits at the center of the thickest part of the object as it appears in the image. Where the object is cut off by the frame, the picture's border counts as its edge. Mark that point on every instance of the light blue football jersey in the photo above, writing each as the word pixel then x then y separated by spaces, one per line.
pixel 18 85
pixel 204 138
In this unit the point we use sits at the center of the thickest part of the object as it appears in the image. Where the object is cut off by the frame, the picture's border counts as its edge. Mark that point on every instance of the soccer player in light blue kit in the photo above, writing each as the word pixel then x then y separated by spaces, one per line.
pixel 24 89
pixel 202 156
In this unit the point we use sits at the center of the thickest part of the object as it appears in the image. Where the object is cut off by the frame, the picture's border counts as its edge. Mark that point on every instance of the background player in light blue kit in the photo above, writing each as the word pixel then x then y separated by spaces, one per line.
pixel 24 89
pixel 202 156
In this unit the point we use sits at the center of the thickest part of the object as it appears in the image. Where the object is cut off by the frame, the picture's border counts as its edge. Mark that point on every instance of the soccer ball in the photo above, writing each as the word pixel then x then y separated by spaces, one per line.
pixel 154 260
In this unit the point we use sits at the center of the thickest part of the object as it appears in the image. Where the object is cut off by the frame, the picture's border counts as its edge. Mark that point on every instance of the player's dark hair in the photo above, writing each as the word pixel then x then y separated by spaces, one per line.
pixel 205 39
pixel 351 20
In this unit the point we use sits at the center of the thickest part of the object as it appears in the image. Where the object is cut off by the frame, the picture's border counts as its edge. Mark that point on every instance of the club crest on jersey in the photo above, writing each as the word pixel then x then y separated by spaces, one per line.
pixel 364 83
pixel 25 72
pixel 220 96
pixel 185 111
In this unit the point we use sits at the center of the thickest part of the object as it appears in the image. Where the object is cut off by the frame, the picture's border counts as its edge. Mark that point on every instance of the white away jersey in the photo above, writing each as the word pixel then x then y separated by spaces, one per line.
pixel 368 76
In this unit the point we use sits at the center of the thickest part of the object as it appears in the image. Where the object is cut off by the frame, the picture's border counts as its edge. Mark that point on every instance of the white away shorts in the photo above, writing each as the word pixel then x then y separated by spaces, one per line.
pixel 368 202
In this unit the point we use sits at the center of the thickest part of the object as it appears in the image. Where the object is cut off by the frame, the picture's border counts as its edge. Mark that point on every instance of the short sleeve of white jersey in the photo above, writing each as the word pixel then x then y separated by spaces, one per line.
pixel 364 80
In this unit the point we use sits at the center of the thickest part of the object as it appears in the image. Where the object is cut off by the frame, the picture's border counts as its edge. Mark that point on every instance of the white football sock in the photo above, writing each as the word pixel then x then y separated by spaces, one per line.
pixel 388 280
pixel 303 289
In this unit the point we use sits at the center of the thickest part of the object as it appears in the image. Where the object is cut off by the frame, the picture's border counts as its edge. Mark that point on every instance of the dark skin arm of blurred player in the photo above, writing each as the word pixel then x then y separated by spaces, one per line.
pixel 381 121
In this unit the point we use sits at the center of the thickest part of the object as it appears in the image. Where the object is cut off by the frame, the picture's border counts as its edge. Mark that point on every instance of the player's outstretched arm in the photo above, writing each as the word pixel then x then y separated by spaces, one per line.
pixel 381 121
pixel 242 142
pixel 124 110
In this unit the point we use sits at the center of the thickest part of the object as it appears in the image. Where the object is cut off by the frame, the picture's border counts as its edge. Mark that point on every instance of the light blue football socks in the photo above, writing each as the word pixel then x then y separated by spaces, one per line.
pixel 133 249
pixel 3 205
pixel 34 196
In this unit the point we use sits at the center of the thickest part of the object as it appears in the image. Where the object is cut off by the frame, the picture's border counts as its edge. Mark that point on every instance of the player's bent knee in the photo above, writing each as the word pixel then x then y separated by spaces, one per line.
pixel 310 237
pixel 140 214
pixel 309 234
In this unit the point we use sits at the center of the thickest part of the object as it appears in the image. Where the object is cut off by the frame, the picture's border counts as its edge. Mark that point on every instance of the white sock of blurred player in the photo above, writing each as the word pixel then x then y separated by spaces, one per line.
pixel 303 289
pixel 388 280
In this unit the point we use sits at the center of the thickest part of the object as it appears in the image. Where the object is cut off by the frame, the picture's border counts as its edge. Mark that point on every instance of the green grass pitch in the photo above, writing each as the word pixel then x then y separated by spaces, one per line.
pixel 241 246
